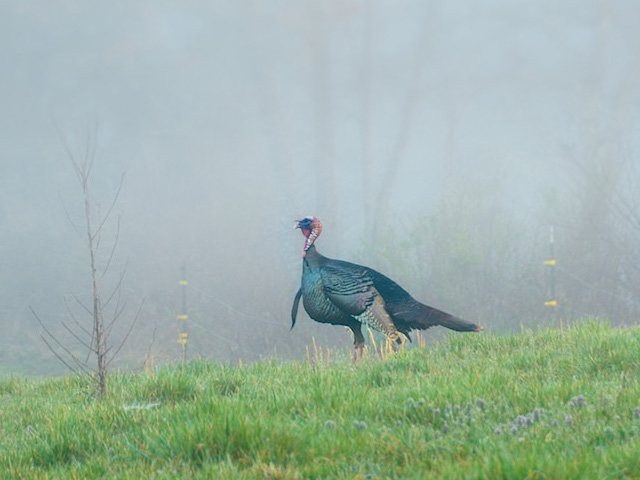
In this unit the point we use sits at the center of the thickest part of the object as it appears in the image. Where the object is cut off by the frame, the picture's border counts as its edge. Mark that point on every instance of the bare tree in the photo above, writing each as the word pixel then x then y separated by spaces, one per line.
pixel 94 339
pixel 393 164
pixel 323 94
pixel 600 225
pixel 600 269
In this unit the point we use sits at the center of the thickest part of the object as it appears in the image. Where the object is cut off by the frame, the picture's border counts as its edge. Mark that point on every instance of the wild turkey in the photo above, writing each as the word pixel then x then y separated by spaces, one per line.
pixel 343 293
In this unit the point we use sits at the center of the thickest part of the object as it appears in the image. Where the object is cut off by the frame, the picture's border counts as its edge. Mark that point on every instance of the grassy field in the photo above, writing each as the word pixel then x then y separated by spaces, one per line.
pixel 550 404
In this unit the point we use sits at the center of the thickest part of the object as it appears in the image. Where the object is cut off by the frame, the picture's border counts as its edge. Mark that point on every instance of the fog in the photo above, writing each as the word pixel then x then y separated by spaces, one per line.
pixel 437 142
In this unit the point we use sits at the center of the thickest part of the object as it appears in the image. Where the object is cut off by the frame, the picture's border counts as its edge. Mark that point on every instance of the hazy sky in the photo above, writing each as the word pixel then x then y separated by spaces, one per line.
pixel 231 119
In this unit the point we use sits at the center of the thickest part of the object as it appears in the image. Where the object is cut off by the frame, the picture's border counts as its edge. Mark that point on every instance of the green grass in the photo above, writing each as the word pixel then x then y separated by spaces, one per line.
pixel 550 404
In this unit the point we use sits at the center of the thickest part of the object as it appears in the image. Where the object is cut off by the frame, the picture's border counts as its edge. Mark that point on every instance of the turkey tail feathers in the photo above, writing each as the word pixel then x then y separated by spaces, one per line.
pixel 429 316
pixel 294 308
pixel 459 325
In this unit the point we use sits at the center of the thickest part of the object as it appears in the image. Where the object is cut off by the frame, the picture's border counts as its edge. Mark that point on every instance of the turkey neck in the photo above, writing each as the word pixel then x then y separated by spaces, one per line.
pixel 313 260
pixel 312 291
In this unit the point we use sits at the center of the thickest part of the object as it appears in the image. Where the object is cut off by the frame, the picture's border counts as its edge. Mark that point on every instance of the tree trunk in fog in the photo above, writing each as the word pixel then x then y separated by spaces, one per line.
pixel 365 120
pixel 601 270
pixel 413 94
pixel 326 189
pixel 98 320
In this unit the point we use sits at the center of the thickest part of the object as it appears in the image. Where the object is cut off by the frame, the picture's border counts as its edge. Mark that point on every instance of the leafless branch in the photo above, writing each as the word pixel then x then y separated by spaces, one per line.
pixel 86 309
pixel 78 362
pixel 116 290
pixel 116 315
pixel 113 249
pixel 627 209
pixel 73 317
pixel 111 207
pixel 90 334
pixel 73 224
pixel 124 340
pixel 64 362
pixel 77 337
pixel 91 145
pixel 70 155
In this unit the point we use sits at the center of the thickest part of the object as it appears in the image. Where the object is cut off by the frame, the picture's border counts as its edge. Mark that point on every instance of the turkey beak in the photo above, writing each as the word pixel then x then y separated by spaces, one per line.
pixel 296 224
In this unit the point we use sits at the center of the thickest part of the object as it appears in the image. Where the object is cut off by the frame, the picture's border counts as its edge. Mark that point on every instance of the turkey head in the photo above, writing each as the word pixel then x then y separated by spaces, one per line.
pixel 311 228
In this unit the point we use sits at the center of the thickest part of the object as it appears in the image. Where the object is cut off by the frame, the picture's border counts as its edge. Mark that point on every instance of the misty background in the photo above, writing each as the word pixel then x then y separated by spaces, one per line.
pixel 437 141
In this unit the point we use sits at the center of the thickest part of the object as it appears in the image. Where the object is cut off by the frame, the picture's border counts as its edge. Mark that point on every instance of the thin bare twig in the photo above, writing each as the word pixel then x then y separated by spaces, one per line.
pixel 116 289
pixel 80 364
pixel 73 317
pixel 124 340
pixel 86 309
pixel 115 318
pixel 73 370
pixel 111 207
pixel 113 249
pixel 90 334
pixel 73 224
pixel 76 336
